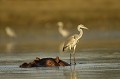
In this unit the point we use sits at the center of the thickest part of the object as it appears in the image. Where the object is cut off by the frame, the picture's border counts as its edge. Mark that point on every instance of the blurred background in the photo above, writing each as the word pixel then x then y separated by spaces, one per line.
pixel 33 25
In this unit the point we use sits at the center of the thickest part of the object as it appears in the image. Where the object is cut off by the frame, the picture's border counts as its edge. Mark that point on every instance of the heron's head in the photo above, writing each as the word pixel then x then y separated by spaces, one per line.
pixel 60 24
pixel 81 27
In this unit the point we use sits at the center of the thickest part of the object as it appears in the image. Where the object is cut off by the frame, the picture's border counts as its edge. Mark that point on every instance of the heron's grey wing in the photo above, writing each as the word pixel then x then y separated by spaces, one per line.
pixel 68 43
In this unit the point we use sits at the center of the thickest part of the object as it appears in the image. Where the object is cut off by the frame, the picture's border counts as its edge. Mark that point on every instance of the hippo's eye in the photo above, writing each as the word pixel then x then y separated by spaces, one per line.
pixel 50 63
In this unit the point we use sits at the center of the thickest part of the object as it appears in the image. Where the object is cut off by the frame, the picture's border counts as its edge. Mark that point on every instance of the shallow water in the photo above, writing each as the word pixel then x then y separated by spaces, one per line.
pixel 91 64
pixel 97 56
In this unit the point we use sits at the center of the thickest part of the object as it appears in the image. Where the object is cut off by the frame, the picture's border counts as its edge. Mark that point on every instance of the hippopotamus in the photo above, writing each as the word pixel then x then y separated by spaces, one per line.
pixel 45 62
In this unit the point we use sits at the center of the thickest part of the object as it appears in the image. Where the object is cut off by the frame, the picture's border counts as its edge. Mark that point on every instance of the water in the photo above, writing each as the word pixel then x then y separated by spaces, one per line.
pixel 97 56
pixel 91 64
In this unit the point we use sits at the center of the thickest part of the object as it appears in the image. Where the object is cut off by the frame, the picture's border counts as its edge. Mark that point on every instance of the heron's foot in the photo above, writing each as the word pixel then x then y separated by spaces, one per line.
pixel 74 63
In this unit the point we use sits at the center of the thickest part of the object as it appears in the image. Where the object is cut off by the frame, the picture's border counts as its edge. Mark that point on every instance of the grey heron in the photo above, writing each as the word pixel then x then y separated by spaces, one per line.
pixel 72 41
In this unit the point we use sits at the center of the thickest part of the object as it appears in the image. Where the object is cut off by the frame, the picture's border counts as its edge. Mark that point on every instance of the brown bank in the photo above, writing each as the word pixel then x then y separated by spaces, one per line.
pixel 45 62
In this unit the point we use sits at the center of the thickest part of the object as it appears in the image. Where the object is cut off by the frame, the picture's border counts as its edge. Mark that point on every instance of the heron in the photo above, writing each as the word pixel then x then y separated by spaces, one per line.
pixel 10 32
pixel 72 41
pixel 62 31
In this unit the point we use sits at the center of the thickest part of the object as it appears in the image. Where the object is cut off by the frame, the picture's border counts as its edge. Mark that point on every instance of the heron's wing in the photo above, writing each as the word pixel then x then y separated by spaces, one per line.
pixel 69 41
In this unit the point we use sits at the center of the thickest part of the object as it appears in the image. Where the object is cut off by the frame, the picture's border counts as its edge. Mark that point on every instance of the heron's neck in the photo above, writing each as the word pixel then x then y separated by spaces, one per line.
pixel 81 33
pixel 60 27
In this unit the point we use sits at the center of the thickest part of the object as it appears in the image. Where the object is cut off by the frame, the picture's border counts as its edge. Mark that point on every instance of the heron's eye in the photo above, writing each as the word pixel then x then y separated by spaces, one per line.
pixel 74 37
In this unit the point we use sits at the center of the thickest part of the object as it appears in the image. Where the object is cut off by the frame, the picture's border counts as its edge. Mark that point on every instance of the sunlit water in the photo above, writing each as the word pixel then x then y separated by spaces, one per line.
pixel 91 64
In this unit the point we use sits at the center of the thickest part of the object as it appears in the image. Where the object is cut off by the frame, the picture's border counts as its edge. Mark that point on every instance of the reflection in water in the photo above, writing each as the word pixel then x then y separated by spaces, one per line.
pixel 71 74
pixel 10 46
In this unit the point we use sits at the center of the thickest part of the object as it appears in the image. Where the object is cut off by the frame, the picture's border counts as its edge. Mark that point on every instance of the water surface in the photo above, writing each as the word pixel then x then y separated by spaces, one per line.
pixel 97 55
pixel 91 64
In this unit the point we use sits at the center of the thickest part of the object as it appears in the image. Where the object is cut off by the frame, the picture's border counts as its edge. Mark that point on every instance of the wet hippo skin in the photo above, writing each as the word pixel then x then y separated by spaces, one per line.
pixel 45 62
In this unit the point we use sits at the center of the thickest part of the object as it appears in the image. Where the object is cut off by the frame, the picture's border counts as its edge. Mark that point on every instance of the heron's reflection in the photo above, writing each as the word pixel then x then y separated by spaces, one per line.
pixel 71 74
pixel 10 46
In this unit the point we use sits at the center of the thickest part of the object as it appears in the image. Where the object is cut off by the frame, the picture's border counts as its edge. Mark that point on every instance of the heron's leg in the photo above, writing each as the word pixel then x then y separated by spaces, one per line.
pixel 74 59
pixel 70 54
pixel 74 54
pixel 70 58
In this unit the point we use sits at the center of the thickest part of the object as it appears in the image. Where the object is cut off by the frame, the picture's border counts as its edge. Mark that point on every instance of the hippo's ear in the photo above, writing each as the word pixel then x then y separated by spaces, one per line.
pixel 37 58
pixel 57 59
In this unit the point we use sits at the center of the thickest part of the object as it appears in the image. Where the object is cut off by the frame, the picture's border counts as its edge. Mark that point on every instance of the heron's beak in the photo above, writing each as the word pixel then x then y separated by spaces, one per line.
pixel 85 27
pixel 82 26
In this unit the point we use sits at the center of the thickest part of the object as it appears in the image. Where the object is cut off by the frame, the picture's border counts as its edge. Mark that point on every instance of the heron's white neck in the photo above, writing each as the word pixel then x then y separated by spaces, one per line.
pixel 81 33
pixel 61 27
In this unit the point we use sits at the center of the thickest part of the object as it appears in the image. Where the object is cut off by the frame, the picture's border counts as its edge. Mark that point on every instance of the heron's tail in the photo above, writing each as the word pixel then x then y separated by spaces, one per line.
pixel 64 48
